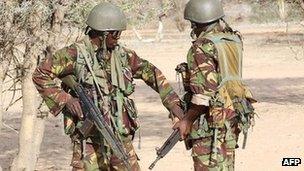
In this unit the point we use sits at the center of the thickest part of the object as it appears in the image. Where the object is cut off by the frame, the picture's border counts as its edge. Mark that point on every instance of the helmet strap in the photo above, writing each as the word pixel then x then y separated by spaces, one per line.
pixel 227 27
pixel 104 42
pixel 87 30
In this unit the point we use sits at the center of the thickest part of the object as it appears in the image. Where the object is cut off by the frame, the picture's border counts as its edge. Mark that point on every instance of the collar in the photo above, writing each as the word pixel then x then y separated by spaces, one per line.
pixel 212 28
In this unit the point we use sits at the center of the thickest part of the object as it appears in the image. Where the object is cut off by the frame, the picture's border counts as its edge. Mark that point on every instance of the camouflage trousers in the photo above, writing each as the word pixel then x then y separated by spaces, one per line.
pixel 93 157
pixel 210 154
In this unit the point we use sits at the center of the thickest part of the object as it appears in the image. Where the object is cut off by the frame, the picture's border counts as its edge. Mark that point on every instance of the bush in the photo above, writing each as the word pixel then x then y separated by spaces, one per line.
pixel 268 11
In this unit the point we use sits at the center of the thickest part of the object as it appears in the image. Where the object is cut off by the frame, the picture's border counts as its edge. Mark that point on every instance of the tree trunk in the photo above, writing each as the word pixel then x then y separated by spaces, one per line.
pixel 32 128
pixel 159 35
pixel 40 124
pixel 27 156
pixel 179 14
pixel 38 134
pixel 1 95
pixel 282 9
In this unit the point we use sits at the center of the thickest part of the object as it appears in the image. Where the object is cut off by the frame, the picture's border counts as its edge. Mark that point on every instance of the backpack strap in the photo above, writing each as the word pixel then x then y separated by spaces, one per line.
pixel 86 50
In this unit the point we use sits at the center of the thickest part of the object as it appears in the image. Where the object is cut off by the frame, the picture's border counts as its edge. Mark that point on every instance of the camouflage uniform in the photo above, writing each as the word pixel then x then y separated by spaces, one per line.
pixel 118 108
pixel 215 134
pixel 215 81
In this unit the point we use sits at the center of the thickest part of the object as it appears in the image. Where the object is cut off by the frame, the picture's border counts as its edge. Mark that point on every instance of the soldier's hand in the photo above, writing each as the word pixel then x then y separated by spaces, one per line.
pixel 73 105
pixel 184 127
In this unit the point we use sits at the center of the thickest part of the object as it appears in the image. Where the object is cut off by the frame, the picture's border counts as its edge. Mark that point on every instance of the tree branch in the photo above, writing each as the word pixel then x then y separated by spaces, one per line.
pixel 11 104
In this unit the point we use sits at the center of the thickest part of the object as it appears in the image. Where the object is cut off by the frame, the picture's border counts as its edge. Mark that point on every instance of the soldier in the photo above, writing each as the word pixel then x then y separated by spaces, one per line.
pixel 220 106
pixel 105 69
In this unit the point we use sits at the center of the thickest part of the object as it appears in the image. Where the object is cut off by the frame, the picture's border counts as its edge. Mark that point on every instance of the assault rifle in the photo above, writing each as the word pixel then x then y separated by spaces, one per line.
pixel 175 135
pixel 93 116
pixel 166 147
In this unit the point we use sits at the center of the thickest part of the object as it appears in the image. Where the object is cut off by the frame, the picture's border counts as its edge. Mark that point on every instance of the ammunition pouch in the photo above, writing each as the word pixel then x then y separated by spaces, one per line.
pixel 73 126
pixel 218 115
pixel 69 122
pixel 86 128
pixel 132 114
pixel 245 112
pixel 128 79
pixel 77 155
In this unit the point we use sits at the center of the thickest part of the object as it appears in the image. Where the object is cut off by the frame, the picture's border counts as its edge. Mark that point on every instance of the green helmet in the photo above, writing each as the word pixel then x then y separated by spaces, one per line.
pixel 203 11
pixel 107 17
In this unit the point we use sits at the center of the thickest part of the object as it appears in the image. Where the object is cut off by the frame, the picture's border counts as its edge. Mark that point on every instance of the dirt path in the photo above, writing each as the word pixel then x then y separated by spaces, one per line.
pixel 270 68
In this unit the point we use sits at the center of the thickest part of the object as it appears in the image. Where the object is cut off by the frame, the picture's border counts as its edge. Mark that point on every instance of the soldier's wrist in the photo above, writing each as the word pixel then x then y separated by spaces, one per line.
pixel 177 111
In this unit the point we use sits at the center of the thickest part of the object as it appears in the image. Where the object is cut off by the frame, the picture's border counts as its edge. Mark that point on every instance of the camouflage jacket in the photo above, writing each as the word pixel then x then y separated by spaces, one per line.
pixel 206 83
pixel 66 61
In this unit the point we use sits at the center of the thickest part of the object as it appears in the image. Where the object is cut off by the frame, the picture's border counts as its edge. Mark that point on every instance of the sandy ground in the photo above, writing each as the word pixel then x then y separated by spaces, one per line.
pixel 273 68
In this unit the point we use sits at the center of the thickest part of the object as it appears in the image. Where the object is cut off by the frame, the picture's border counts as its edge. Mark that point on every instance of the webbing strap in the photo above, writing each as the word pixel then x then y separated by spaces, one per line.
pixel 116 70
pixel 229 78
pixel 106 90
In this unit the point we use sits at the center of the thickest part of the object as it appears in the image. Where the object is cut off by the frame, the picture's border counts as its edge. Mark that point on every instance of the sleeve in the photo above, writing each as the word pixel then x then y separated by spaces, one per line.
pixel 204 72
pixel 44 77
pixel 153 77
